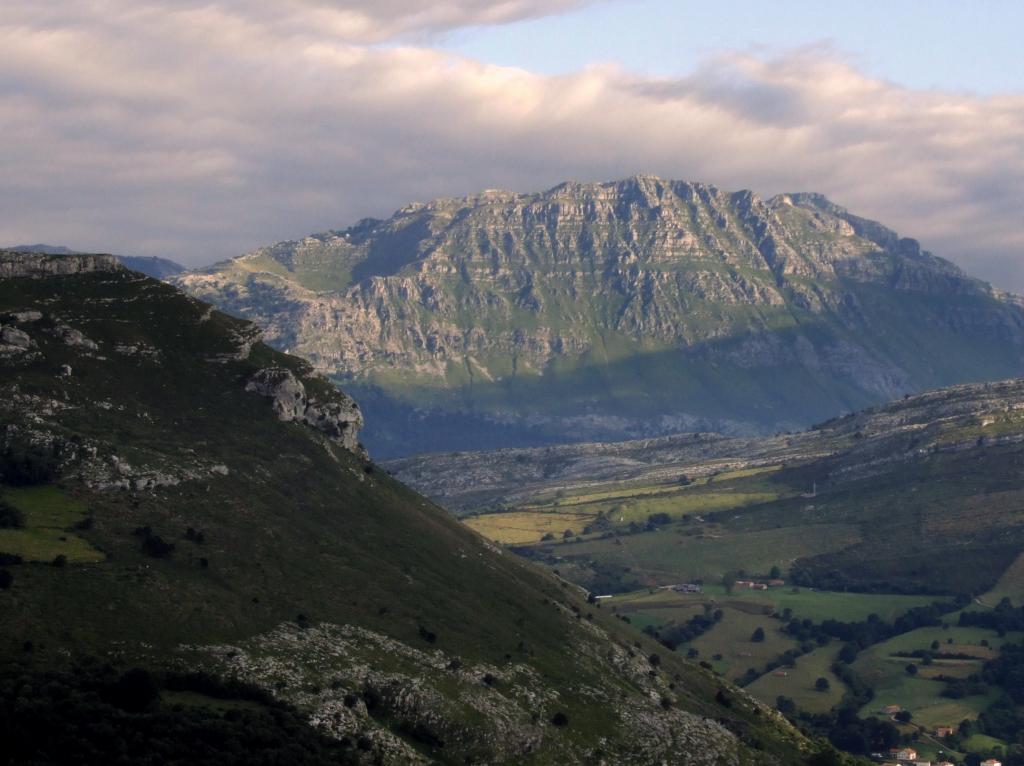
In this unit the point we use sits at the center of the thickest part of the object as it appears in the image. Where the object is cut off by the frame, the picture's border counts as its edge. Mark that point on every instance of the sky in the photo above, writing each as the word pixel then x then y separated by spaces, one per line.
pixel 201 129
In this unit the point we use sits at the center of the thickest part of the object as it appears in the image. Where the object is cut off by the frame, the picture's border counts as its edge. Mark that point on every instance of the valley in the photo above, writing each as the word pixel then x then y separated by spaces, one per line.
pixel 807 539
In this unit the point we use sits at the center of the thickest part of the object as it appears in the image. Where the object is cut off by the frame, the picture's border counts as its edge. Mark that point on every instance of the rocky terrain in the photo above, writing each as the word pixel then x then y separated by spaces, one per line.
pixel 194 508
pixel 608 311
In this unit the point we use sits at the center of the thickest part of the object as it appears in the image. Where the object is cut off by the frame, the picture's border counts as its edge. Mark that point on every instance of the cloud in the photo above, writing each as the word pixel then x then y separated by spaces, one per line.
pixel 198 131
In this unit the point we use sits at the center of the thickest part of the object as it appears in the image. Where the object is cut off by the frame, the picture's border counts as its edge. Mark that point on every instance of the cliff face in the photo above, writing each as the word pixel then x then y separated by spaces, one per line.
pixel 617 310
pixel 37 265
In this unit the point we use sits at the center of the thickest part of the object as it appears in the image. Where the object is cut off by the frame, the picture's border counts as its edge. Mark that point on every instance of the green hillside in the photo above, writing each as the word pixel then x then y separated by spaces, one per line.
pixel 196 548
pixel 617 310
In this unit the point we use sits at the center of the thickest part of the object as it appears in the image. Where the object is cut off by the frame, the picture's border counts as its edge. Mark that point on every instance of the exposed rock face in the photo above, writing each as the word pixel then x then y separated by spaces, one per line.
pixel 339 419
pixel 37 265
pixel 618 310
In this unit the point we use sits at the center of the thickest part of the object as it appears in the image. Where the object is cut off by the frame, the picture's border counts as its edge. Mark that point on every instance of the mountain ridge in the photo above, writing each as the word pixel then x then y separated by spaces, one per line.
pixel 618 310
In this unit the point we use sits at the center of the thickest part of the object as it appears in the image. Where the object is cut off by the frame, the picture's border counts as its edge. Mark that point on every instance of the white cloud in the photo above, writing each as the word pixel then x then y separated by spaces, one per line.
pixel 198 131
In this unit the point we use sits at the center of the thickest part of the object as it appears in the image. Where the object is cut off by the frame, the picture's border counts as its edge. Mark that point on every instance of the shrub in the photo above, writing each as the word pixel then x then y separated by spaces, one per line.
pixel 157 547
pixel 758 635
pixel 822 684
pixel 559 719
pixel 10 517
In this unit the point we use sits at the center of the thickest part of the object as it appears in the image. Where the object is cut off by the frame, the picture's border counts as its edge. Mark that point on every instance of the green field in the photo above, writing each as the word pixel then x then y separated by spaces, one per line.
pixel 518 527
pixel 669 555
pixel 731 639
pixel 797 682
pixel 886 673
pixel 50 516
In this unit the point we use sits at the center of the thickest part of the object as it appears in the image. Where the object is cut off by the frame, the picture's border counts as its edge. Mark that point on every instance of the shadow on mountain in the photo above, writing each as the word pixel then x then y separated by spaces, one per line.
pixel 755 383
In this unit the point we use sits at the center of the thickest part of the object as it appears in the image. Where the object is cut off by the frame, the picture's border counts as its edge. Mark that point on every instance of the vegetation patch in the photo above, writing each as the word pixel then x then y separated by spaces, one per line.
pixel 47 530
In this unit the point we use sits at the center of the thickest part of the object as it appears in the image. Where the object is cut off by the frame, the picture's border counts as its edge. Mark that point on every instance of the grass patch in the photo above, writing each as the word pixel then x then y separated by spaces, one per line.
pixel 731 639
pixel 921 694
pixel 666 556
pixel 797 682
pixel 526 527
pixel 49 516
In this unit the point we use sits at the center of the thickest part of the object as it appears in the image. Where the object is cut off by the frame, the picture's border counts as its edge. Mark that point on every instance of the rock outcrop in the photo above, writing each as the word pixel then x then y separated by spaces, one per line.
pixel 619 310
pixel 339 418
pixel 38 265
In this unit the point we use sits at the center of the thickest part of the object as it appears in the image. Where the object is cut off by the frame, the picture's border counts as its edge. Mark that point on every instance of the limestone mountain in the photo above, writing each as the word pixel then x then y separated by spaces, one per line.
pixel 199 565
pixel 617 310
pixel 158 268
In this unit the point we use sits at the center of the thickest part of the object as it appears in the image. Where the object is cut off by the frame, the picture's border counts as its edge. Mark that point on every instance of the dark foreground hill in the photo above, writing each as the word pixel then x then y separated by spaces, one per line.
pixel 617 310
pixel 200 565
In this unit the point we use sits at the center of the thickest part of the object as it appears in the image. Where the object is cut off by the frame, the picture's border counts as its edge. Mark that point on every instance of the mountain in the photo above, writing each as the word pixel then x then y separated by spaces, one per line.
pixel 609 311
pixel 158 268
pixel 199 564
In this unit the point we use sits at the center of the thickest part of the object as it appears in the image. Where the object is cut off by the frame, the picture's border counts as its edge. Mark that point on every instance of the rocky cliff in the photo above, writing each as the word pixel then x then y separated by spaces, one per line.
pixel 37 265
pixel 617 310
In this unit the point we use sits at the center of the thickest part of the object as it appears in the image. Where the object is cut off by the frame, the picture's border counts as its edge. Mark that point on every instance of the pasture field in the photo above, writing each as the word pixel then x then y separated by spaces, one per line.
pixel 519 527
pixel 806 603
pixel 820 605
pixel 921 694
pixel 668 555
pixel 49 516
pixel 731 639
pixel 797 682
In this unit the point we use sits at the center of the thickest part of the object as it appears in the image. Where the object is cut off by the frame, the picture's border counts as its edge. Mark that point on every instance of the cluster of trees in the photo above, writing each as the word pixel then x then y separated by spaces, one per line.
pixel 860 634
pixel 23 463
pixel 10 517
pixel 673 634
pixel 152 544
pixel 1004 618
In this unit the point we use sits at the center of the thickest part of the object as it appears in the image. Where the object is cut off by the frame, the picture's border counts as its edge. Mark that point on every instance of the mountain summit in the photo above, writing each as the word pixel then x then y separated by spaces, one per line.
pixel 616 310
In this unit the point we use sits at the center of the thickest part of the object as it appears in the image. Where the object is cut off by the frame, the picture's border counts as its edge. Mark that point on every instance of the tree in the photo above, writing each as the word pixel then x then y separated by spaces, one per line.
pixel 6 578
pixel 785 705
pixel 10 517
pixel 904 716
pixel 758 635
pixel 567 534
pixel 911 669
pixel 775 573
pixel 822 684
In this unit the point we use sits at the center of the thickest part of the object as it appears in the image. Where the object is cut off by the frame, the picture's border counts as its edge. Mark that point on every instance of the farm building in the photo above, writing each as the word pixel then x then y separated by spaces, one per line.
pixel 904 754
pixel 944 731
pixel 991 762
pixel 687 587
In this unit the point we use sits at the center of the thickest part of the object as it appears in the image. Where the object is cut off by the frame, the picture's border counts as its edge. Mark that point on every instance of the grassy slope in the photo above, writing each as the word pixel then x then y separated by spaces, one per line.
pixel 297 526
